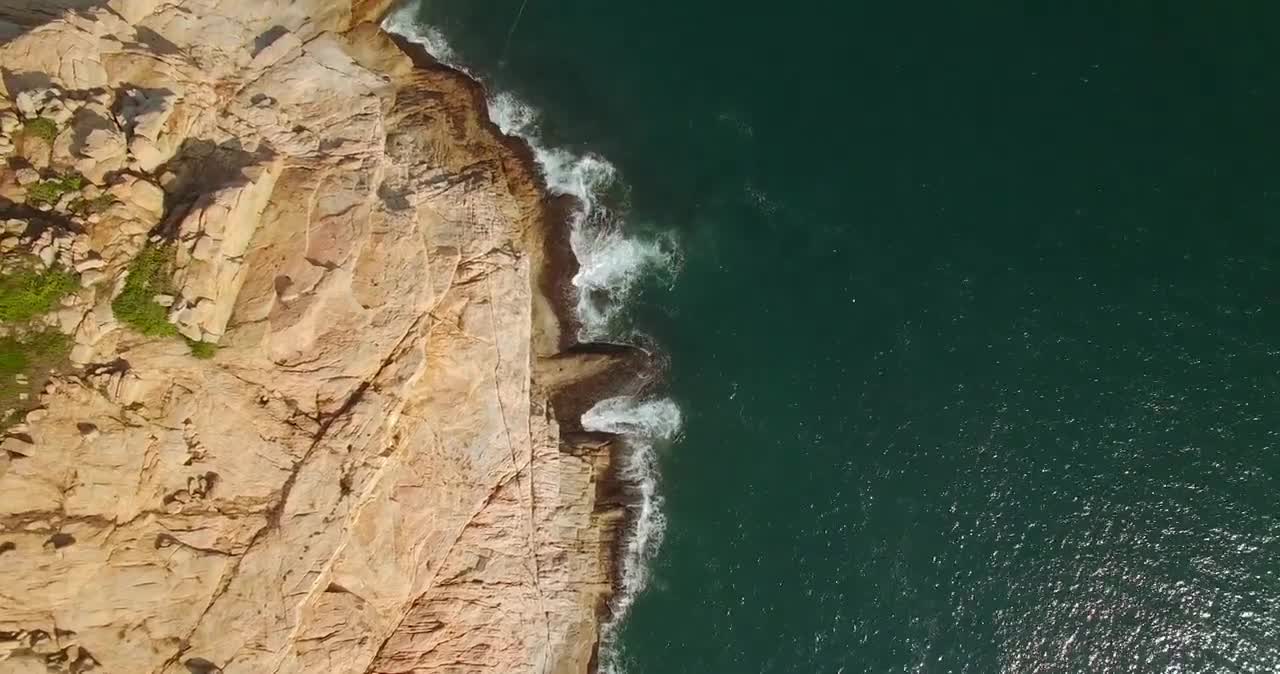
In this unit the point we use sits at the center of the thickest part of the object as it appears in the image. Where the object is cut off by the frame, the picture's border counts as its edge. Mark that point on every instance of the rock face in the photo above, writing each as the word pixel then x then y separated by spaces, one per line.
pixel 369 475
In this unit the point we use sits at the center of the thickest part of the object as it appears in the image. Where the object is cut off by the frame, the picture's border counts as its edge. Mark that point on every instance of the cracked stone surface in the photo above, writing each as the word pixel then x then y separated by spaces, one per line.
pixel 368 476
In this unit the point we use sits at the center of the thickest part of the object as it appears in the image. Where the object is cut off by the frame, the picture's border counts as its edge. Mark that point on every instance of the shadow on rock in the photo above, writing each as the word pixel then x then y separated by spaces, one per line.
pixel 204 167
pixel 20 16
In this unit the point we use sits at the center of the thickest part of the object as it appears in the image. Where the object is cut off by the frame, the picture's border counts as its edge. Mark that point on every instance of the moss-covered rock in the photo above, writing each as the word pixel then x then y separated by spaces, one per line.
pixel 29 292
pixel 149 275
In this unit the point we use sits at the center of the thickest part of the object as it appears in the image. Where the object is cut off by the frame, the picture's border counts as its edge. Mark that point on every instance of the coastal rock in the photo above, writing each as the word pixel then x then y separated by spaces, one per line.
pixel 369 476
pixel 212 241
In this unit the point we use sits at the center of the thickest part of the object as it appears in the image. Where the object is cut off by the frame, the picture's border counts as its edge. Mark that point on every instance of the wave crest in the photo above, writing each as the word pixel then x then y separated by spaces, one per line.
pixel 648 420
pixel 611 262
pixel 642 424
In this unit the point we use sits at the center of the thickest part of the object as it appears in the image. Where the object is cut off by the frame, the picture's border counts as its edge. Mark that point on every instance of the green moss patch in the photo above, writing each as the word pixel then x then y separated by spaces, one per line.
pixel 202 350
pixel 27 293
pixel 41 127
pixel 50 190
pixel 149 275
pixel 97 204
pixel 32 356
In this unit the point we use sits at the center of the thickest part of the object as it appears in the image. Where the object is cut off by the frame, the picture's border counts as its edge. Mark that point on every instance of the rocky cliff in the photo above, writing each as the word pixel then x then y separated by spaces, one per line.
pixel 305 418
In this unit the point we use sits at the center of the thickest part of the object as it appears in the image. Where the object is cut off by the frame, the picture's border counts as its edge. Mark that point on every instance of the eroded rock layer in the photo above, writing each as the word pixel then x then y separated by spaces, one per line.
pixel 368 475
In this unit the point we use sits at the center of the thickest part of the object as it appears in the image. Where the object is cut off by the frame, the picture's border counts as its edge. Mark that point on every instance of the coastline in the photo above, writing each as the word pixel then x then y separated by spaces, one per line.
pixel 393 413
pixel 574 374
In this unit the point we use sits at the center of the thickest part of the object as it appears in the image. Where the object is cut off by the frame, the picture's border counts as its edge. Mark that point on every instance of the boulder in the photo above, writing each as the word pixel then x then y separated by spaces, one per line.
pixel 27 176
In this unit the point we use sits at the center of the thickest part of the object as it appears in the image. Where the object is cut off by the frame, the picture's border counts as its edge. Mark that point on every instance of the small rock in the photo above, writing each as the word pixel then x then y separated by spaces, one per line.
pixel 89 264
pixel 9 122
pixel 68 319
pixel 36 415
pixel 9 243
pixel 81 354
pixel 27 176
pixel 163 300
pixel 37 151
pixel 48 253
pixel 24 396
pixel 44 207
pixel 93 218
pixel 91 277
pixel 64 202
pixel 58 112
pixel 148 196
pixel 26 102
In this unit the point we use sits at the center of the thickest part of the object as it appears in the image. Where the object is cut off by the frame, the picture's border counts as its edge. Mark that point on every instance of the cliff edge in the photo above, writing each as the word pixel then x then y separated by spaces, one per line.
pixel 292 406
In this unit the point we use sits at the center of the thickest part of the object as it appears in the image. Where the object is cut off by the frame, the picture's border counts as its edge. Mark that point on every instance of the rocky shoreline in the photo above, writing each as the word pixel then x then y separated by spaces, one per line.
pixel 367 456
pixel 574 374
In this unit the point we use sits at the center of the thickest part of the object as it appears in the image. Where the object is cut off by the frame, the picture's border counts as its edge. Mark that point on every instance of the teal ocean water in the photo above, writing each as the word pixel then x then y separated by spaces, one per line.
pixel 973 316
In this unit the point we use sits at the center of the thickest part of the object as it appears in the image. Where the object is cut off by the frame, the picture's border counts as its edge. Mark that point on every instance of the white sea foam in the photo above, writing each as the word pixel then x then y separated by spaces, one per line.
pixel 644 424
pixel 656 419
pixel 611 263
pixel 404 22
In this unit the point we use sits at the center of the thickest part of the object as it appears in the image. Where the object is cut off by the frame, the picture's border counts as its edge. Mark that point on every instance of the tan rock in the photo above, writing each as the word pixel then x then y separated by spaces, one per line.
pixel 89 264
pixel 91 277
pixel 213 240
pixel 27 105
pixel 36 151
pixel 369 477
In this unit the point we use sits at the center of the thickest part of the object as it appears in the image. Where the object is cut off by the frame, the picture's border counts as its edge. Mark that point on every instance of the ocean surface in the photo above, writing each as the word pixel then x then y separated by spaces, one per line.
pixel 973 314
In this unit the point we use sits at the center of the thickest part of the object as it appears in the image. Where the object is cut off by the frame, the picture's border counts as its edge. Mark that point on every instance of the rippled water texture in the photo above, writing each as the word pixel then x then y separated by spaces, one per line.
pixel 975 335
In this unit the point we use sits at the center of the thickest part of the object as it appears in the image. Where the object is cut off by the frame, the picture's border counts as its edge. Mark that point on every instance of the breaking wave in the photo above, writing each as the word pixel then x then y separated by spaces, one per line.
pixel 644 424
pixel 611 262
pixel 611 265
